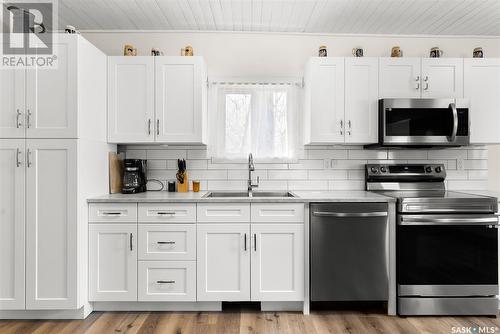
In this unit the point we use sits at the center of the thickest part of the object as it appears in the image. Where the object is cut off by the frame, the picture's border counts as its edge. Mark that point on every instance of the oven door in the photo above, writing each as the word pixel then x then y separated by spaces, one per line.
pixel 447 255
pixel 424 122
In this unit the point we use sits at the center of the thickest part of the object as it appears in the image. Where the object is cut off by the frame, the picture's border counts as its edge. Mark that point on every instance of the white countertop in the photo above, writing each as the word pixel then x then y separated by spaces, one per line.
pixel 302 197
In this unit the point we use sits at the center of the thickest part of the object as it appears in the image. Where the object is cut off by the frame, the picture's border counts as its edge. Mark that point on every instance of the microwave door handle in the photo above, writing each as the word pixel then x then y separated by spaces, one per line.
pixel 454 112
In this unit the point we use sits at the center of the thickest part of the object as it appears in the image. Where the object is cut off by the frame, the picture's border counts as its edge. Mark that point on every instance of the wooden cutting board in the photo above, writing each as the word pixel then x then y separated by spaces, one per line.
pixel 115 172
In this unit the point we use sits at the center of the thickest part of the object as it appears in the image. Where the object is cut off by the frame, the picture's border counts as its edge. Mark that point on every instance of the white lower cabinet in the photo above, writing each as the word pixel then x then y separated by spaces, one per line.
pixel 113 262
pixel 277 262
pixel 223 262
pixel 167 281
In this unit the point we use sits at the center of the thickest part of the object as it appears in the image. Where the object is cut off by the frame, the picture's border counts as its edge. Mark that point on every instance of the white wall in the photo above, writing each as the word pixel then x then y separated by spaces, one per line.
pixel 271 54
pixel 284 55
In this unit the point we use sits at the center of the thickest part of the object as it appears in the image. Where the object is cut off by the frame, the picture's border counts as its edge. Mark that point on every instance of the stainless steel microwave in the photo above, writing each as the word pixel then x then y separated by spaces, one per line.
pixel 423 122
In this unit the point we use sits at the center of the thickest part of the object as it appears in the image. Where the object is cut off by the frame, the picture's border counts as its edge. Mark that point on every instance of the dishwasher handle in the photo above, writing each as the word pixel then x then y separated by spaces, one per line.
pixel 350 214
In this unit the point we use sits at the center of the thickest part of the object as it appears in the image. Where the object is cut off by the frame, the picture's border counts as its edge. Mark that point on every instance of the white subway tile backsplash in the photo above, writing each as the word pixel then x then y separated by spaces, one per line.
pixel 327 174
pixel 343 169
pixel 476 164
pixel 166 154
pixel 288 174
pixel 308 185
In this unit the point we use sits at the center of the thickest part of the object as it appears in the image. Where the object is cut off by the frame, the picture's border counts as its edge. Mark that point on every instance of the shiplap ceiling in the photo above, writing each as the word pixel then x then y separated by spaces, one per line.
pixel 414 17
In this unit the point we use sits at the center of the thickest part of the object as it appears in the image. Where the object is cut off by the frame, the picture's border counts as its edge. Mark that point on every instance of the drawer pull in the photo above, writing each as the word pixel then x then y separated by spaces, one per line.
pixel 165 242
pixel 165 282
pixel 163 213
pixel 112 213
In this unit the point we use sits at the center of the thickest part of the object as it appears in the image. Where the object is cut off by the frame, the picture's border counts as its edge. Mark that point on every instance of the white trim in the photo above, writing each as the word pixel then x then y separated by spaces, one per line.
pixel 157 306
pixel 128 31
pixel 80 313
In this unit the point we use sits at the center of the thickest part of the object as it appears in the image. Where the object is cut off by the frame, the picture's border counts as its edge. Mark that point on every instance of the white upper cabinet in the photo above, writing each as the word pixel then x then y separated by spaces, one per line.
pixel 113 262
pixel 442 77
pixel 482 87
pixel 51 95
pixel 399 77
pixel 131 99
pixel 157 99
pixel 361 100
pixel 223 267
pixel 51 229
pixel 12 116
pixel 180 99
pixel 12 211
pixel 277 262
pixel 324 101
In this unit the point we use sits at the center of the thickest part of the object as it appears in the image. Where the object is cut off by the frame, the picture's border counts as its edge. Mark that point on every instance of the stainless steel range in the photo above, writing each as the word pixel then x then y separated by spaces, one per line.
pixel 446 242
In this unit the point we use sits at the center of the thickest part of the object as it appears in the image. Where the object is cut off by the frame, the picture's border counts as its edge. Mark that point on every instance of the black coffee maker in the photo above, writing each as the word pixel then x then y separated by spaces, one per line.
pixel 134 176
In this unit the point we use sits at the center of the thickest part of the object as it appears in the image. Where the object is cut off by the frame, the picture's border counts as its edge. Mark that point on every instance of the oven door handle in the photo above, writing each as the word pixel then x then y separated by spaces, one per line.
pixel 481 220
pixel 454 113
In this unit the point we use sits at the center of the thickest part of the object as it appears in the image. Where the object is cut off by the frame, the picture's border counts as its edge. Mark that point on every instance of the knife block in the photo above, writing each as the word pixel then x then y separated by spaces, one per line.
pixel 183 187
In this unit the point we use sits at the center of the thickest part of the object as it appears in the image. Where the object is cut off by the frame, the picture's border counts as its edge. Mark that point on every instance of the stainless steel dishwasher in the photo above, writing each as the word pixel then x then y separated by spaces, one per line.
pixel 349 252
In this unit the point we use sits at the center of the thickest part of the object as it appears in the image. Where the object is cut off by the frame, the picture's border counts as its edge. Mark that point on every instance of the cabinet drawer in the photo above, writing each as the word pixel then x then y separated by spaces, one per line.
pixel 172 213
pixel 278 212
pixel 167 242
pixel 223 212
pixel 167 281
pixel 109 212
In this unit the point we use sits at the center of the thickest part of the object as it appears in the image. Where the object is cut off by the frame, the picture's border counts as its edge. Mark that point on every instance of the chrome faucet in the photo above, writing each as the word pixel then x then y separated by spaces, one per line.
pixel 251 168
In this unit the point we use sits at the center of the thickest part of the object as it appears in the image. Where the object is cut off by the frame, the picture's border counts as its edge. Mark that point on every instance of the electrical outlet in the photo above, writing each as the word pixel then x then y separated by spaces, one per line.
pixel 460 164
pixel 326 164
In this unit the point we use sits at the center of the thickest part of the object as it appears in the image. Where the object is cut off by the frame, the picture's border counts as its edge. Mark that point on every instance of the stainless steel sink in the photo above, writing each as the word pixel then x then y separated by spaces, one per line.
pixel 273 194
pixel 239 194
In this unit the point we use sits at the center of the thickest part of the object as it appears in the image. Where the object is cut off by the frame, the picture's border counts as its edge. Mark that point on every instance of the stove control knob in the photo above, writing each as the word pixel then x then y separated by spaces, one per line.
pixel 428 169
pixel 383 170
pixel 438 169
pixel 374 169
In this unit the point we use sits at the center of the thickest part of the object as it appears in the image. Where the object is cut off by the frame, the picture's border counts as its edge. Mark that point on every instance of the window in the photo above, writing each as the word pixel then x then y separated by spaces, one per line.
pixel 256 118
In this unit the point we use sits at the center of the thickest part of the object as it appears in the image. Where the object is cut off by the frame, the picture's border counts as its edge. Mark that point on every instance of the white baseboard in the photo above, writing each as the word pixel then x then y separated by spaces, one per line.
pixel 80 313
pixel 282 306
pixel 157 306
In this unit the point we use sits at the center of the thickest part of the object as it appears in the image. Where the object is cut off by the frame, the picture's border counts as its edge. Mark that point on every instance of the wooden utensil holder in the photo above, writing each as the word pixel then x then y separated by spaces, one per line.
pixel 183 187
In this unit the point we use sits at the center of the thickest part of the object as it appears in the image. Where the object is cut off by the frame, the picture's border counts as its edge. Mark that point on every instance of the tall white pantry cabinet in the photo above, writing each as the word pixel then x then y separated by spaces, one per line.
pixel 53 155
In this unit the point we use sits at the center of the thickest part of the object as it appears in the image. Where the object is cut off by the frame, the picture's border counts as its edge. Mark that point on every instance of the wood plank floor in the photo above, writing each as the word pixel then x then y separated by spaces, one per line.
pixel 248 322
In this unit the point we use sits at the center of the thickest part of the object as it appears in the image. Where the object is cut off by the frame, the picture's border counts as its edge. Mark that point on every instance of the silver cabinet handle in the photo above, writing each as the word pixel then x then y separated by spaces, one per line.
pixel 350 214
pixel 149 126
pixel 245 241
pixel 165 282
pixel 165 242
pixel 18 161
pixel 417 79
pixel 157 127
pixel 426 80
pixel 111 213
pixel 131 242
pixel 349 127
pixel 255 242
pixel 164 213
pixel 341 127
pixel 454 113
pixel 18 117
pixel 28 160
pixel 28 118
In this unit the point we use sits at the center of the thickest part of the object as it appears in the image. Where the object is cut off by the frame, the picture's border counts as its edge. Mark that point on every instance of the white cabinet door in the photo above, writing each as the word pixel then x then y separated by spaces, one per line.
pixel 399 77
pixel 277 262
pixel 324 101
pixel 51 95
pixel 12 117
pixel 442 77
pixel 12 210
pixel 130 99
pixel 361 100
pixel 180 106
pixel 223 255
pixel 51 224
pixel 113 262
pixel 482 87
